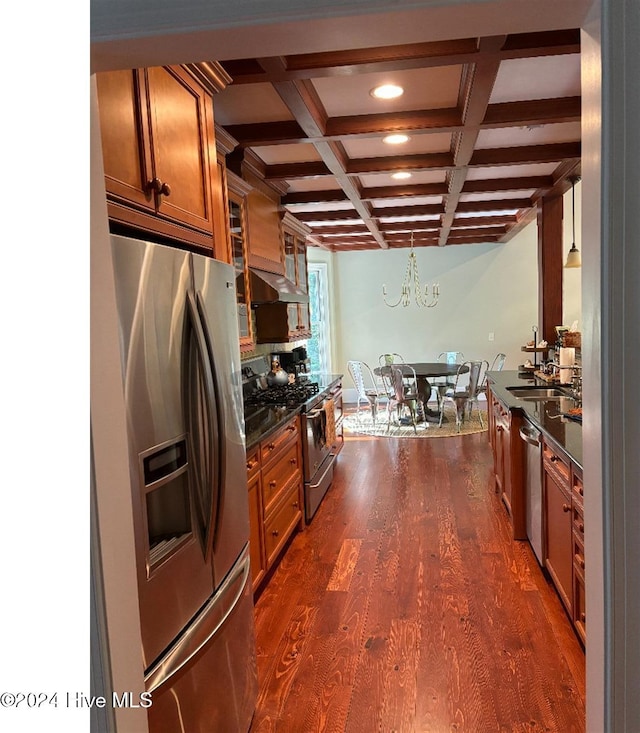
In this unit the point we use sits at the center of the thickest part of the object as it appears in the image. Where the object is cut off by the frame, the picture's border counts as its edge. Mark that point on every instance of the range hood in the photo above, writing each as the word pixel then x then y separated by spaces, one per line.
pixel 267 287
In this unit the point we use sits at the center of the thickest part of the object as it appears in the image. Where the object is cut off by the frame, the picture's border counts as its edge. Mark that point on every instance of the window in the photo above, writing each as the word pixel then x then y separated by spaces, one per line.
pixel 319 345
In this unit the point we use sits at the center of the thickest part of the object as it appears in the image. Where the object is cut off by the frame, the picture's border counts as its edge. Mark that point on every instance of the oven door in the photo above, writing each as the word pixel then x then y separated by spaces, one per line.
pixel 315 447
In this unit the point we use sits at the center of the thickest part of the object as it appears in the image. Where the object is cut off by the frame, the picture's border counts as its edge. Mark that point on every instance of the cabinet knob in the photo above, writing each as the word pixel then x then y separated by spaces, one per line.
pixel 295 505
pixel 275 533
pixel 583 617
pixel 158 187
pixel 566 508
pixel 293 461
pixel 581 527
pixel 271 446
pixel 553 459
pixel 272 484
pixel 291 428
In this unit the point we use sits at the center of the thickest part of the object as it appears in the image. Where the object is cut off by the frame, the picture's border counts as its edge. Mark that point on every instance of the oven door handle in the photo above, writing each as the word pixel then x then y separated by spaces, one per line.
pixel 315 413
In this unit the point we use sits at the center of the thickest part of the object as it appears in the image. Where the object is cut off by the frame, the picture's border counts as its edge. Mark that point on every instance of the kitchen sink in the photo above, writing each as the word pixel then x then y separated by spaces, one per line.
pixel 537 393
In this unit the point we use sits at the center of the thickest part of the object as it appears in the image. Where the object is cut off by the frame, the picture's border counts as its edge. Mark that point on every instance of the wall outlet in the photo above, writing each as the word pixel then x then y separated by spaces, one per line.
pixel 491 335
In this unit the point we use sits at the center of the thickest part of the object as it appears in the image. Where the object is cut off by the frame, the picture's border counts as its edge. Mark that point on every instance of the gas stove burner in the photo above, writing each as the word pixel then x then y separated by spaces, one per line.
pixel 286 394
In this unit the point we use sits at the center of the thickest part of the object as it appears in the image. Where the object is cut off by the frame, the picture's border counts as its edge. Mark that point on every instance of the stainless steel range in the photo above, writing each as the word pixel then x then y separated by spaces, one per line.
pixel 320 443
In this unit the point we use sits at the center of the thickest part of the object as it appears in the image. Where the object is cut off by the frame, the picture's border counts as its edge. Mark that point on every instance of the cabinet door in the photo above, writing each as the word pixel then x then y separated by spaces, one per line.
pixel 124 128
pixel 256 536
pixel 182 139
pixel 559 549
pixel 304 323
pixel 237 232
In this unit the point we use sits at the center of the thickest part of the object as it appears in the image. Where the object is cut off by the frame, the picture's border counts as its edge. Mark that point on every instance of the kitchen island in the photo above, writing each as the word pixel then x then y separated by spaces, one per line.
pixel 537 454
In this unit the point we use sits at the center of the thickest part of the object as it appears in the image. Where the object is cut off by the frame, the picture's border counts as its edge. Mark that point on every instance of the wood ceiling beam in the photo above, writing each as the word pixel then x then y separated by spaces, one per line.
pixel 532 112
pixel 507 114
pixel 493 205
pixel 517 155
pixel 522 183
pixel 475 92
pixel 407 56
pixel 467 221
pixel 307 110
pixel 525 154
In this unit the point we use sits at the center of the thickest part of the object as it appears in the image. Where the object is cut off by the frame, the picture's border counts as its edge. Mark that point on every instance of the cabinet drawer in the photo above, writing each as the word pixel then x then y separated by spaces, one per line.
pixel 556 463
pixel 578 554
pixel 253 463
pixel 578 522
pixel 282 522
pixel 270 448
pixel 579 607
pixel 279 475
pixel 577 489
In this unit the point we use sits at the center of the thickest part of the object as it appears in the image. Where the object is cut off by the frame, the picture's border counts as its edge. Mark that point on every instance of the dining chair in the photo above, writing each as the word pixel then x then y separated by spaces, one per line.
pixel 496 366
pixel 385 360
pixel 403 388
pixel 367 388
pixel 441 384
pixel 464 394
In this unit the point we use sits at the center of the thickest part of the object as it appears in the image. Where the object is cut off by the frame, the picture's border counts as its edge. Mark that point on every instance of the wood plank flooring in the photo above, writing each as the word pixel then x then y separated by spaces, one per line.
pixel 405 606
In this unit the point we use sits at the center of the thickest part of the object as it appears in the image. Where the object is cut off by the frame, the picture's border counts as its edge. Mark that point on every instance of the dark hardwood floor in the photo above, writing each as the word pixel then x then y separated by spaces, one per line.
pixel 405 606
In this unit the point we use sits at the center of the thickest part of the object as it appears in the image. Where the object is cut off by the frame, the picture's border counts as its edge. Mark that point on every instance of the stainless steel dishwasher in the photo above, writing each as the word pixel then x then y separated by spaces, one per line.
pixel 533 487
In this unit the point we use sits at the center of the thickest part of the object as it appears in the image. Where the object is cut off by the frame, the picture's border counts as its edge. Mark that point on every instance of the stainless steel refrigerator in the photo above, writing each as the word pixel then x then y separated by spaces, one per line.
pixel 182 387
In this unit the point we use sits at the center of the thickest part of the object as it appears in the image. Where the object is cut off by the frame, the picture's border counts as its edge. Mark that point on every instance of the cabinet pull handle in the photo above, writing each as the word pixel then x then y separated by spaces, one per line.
pixel 553 459
pixel 271 446
pixel 566 508
pixel 155 185
pixel 272 484
pixel 291 428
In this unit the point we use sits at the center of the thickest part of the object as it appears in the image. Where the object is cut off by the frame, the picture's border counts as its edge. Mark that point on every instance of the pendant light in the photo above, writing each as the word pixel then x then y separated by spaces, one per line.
pixel 573 257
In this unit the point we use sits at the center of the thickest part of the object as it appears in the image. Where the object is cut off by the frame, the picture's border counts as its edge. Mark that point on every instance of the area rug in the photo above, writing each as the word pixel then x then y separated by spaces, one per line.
pixel 362 424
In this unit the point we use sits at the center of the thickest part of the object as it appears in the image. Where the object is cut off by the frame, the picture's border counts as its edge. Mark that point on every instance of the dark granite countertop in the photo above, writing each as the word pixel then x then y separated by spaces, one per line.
pixel 545 414
pixel 260 422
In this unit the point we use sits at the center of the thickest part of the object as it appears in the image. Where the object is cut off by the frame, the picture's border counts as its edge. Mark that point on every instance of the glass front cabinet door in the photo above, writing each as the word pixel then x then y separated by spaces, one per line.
pixel 236 191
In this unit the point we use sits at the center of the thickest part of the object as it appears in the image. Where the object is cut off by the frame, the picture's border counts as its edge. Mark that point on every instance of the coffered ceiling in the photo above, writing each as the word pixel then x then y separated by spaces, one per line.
pixel 493 125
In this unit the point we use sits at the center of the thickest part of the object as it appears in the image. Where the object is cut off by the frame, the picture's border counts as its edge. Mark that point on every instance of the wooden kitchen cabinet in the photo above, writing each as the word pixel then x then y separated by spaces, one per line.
pixel 256 538
pixel 161 174
pixel 237 191
pixel 286 322
pixel 577 513
pixel 274 472
pixel 558 522
pixel 508 462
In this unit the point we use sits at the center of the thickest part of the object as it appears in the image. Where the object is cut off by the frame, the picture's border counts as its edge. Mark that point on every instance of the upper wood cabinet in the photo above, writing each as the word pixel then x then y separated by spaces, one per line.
pixel 237 191
pixel 158 142
pixel 286 322
pixel 265 245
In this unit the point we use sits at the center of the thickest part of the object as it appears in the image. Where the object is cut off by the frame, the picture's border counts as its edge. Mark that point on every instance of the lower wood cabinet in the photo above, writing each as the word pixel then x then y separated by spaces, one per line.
pixel 564 531
pixel 558 523
pixel 274 475
pixel 508 463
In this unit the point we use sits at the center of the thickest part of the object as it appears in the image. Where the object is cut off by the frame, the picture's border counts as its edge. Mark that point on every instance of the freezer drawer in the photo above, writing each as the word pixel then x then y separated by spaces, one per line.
pixel 208 681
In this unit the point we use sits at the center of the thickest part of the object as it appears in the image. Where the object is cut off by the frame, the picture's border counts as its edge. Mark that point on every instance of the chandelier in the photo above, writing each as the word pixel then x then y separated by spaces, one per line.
pixel 412 278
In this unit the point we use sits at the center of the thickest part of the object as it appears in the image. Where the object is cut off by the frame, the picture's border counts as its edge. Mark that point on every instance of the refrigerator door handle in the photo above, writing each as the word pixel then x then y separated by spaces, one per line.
pixel 204 627
pixel 201 420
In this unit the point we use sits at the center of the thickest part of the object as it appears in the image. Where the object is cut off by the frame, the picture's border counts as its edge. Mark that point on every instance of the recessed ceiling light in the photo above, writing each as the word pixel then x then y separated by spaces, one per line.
pixel 395 139
pixel 387 91
pixel 400 175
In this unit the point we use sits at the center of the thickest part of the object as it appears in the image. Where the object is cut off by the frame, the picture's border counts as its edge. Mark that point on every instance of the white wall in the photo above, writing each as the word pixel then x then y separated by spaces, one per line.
pixel 484 288
pixel 571 278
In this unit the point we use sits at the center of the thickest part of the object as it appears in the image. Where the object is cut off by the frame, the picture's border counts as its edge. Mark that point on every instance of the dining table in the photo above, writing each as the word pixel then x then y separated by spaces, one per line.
pixel 424 371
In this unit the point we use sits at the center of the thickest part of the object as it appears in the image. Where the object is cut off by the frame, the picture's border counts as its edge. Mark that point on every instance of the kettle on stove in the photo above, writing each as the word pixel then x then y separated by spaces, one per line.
pixel 277 376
